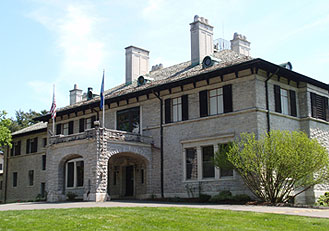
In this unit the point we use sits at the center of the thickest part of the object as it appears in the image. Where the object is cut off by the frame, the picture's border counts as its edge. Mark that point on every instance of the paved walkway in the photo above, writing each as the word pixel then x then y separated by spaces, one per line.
pixel 324 213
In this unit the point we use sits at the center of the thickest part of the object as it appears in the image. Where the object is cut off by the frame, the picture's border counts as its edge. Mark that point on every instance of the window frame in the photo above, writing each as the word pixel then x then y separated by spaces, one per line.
pixel 218 98
pixel 31 178
pixel 177 109
pixel 130 120
pixel 207 162
pixel 75 175
pixel 15 180
pixel 193 165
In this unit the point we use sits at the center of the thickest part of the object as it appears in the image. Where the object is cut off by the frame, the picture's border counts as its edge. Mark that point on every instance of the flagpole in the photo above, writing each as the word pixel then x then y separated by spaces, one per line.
pixel 103 101
pixel 54 109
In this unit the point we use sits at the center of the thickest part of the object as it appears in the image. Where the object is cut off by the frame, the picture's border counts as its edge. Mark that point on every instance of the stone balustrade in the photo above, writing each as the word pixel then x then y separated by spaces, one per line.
pixel 110 135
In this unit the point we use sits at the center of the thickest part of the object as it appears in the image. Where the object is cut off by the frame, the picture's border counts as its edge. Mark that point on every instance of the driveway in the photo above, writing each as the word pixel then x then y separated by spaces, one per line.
pixel 323 213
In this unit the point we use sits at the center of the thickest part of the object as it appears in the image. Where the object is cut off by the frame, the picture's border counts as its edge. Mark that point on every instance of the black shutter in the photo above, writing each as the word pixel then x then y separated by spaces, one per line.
pixel 93 119
pixel 71 124
pixel 203 103
pixel 168 111
pixel 27 146
pixel 293 108
pixel 184 107
pixel 58 129
pixel 35 145
pixel 277 98
pixel 227 98
pixel 326 109
pixel 82 125
pixel 313 104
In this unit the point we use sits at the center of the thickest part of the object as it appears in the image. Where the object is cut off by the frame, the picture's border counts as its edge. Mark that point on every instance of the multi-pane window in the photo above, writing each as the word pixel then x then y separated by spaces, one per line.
pixel 227 169
pixel 15 179
pixel 31 177
pixel 191 164
pixel 129 120
pixel 1 167
pixel 74 173
pixel 284 102
pixel 177 109
pixel 65 129
pixel 32 145
pixel 208 168
pixel 16 148
pixel 86 123
pixel 216 101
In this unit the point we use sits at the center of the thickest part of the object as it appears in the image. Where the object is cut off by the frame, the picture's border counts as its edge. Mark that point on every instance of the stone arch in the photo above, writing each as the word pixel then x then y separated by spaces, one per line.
pixel 122 164
pixel 61 170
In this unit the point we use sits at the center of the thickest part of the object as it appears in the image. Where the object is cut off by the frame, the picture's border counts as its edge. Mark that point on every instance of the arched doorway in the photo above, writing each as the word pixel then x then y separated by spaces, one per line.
pixel 127 176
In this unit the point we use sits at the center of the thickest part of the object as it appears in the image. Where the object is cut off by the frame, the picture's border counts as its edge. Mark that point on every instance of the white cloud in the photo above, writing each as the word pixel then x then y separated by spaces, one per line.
pixel 82 52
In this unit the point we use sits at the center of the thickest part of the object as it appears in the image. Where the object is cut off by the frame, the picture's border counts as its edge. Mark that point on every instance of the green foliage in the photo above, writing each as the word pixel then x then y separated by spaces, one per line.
pixel 25 119
pixel 5 134
pixel 226 197
pixel 71 196
pixel 204 197
pixel 279 162
pixel 323 200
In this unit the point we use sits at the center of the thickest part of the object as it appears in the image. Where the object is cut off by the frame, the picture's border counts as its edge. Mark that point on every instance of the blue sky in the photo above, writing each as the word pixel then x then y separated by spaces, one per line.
pixel 63 42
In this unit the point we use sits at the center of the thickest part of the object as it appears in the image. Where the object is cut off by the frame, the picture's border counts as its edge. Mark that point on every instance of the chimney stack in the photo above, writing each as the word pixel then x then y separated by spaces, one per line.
pixel 201 39
pixel 75 95
pixel 137 63
pixel 240 45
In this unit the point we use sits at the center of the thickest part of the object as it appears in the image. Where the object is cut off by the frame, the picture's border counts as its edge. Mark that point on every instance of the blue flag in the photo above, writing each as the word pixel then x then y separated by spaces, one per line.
pixel 102 94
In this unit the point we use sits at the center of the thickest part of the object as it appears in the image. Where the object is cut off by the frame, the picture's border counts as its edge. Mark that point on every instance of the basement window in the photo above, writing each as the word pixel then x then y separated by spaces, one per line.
pixel 129 120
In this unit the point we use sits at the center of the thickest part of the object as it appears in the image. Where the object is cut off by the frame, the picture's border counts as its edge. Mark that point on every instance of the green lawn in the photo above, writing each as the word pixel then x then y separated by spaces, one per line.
pixel 154 219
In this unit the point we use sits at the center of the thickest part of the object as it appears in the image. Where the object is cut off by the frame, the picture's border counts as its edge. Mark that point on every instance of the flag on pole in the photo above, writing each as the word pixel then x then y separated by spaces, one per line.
pixel 102 93
pixel 53 105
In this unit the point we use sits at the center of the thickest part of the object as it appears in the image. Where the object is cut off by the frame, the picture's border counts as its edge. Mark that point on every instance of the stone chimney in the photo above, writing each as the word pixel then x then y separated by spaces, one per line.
pixel 240 45
pixel 201 39
pixel 137 63
pixel 75 95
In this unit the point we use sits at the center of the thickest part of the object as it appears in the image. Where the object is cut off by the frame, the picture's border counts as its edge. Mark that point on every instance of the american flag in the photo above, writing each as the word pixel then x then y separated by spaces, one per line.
pixel 53 106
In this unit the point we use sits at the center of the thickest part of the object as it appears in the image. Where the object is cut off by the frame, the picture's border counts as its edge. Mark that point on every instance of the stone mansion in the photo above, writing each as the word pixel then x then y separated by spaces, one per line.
pixel 163 126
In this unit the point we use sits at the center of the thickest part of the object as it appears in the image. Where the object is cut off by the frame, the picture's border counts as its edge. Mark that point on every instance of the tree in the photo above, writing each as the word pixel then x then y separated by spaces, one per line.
pixel 25 119
pixel 5 134
pixel 278 166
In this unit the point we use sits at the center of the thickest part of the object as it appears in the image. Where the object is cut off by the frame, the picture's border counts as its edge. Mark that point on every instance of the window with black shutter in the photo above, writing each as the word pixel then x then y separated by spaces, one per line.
pixel 203 103
pixel 82 125
pixel 319 105
pixel 185 107
pixel 18 148
pixel 227 98
pixel 277 98
pixel 58 129
pixel 71 125
pixel 168 111
pixel 293 107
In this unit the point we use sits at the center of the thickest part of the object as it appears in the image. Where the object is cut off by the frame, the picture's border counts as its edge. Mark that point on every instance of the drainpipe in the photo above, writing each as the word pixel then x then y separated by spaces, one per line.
pixel 6 178
pixel 267 103
pixel 161 142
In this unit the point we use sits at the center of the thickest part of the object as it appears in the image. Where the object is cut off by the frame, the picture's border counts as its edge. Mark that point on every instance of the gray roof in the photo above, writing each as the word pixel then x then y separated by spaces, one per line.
pixel 169 74
pixel 32 128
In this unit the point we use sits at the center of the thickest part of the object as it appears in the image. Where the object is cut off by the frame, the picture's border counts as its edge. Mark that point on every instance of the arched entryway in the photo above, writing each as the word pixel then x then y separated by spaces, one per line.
pixel 71 175
pixel 127 175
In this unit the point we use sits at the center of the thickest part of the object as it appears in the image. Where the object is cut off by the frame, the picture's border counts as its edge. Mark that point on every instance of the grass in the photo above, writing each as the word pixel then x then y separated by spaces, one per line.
pixel 154 219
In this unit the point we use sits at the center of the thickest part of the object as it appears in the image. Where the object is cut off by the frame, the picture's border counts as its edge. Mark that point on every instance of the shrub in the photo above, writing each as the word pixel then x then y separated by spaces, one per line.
pixel 323 199
pixel 241 198
pixel 204 197
pixel 71 196
pixel 221 197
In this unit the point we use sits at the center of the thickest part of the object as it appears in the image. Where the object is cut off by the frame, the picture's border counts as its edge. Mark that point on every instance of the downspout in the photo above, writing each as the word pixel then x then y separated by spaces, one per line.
pixel 6 178
pixel 267 103
pixel 161 142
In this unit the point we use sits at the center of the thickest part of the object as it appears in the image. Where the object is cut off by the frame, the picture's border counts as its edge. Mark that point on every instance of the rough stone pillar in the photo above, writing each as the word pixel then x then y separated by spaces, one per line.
pixel 101 166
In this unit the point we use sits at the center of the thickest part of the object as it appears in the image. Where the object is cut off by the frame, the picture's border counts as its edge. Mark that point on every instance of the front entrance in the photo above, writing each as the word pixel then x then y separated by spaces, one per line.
pixel 129 181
